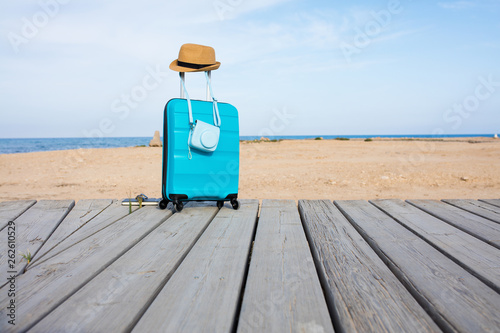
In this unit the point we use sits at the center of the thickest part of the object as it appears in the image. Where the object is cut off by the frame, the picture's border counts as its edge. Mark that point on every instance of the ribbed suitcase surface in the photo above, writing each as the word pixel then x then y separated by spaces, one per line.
pixel 199 175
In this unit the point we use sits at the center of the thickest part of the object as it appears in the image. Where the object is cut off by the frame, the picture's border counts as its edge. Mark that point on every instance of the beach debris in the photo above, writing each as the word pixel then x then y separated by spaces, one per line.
pixel 495 136
pixel 464 178
pixel 26 255
pixel 330 182
pixel 156 141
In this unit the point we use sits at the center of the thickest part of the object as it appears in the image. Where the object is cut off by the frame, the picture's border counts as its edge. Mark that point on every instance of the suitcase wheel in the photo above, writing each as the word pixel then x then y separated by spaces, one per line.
pixel 178 206
pixel 235 203
pixel 220 204
pixel 163 204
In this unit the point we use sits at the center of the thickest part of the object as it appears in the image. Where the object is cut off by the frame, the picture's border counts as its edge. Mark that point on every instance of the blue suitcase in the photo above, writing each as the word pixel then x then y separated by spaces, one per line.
pixel 190 174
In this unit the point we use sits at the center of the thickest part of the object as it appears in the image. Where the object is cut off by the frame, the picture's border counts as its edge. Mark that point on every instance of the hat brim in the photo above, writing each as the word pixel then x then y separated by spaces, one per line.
pixel 175 67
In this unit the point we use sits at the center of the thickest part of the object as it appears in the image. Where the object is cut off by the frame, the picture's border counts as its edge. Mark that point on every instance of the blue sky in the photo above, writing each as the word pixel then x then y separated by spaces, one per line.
pixel 73 68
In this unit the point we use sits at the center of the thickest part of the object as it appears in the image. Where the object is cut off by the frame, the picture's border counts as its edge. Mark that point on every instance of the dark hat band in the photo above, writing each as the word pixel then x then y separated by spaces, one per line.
pixel 192 66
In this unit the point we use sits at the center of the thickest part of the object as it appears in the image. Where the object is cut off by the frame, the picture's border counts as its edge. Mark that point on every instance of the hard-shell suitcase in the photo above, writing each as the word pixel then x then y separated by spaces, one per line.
pixel 192 174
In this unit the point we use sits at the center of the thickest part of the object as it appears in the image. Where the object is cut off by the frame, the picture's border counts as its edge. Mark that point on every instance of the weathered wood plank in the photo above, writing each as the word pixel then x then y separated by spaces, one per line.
pixel 32 229
pixel 479 227
pixel 83 212
pixel 479 258
pixel 203 293
pixel 39 222
pixel 282 292
pixel 362 293
pixel 113 213
pixel 477 207
pixel 10 210
pixel 456 299
pixel 116 298
pixel 494 202
pixel 48 284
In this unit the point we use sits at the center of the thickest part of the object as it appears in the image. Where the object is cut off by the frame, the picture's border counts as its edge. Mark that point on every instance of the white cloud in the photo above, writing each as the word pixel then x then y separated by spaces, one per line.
pixel 398 34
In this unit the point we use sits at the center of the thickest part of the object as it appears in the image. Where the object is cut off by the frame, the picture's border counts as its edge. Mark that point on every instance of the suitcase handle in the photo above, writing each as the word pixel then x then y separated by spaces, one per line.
pixel 216 109
pixel 216 115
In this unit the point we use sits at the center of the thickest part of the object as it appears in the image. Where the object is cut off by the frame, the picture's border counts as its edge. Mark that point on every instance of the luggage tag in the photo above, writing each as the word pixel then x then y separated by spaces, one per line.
pixel 203 136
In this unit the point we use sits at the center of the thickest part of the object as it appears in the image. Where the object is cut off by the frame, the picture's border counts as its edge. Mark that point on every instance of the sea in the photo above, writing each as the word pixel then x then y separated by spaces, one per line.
pixel 27 145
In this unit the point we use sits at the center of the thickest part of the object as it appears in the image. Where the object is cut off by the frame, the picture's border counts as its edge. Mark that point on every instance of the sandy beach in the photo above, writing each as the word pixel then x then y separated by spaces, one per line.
pixel 290 169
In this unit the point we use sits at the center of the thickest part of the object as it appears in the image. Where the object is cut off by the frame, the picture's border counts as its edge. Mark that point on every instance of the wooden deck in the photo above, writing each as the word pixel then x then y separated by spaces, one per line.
pixel 319 266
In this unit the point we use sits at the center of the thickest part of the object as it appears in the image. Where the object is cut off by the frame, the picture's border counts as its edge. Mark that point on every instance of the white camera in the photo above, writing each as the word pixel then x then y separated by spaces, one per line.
pixel 204 137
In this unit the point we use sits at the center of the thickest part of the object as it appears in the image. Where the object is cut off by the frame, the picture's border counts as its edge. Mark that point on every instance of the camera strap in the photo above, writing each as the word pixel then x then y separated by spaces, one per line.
pixel 192 123
pixel 217 121
pixel 214 101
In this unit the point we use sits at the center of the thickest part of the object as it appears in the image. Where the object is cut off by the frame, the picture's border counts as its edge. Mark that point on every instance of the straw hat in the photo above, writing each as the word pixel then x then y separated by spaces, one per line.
pixel 195 58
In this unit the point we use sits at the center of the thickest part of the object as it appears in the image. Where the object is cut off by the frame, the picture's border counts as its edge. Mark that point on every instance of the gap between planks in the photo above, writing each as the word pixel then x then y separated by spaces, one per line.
pixel 283 292
pixel 362 293
pixel 45 286
pixel 204 292
pixel 456 299
pixel 117 297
